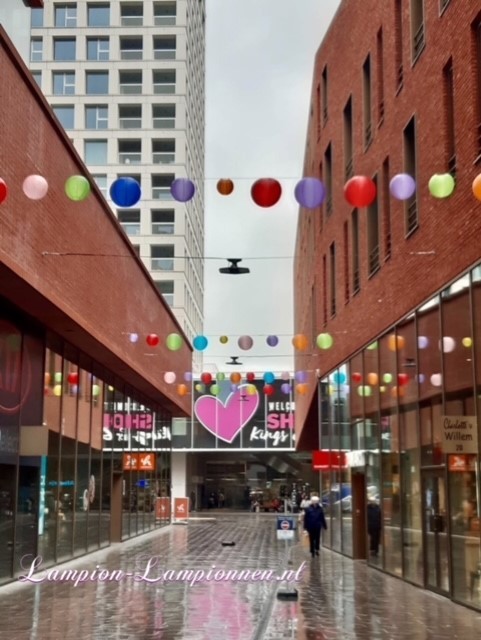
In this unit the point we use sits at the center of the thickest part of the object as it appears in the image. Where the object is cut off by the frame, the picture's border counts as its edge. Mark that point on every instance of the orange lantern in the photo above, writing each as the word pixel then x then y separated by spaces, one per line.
pixel 235 377
pixel 225 186
pixel 301 389
pixel 372 379
pixel 398 392
pixel 300 342
pixel 477 187
pixel 395 342
pixel 182 390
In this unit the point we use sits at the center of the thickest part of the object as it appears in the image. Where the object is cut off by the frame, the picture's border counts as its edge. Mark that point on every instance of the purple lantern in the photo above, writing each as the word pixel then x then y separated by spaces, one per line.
pixel 133 337
pixel 310 193
pixel 272 341
pixel 182 189
pixel 402 186
pixel 286 388
pixel 285 375
pixel 188 376
pixel 301 376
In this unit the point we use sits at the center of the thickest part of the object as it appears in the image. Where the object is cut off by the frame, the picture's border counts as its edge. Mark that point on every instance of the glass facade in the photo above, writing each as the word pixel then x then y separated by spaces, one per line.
pixel 399 434
pixel 63 492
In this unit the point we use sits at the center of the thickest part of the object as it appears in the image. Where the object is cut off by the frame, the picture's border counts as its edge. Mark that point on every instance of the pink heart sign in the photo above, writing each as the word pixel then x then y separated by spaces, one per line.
pixel 226 420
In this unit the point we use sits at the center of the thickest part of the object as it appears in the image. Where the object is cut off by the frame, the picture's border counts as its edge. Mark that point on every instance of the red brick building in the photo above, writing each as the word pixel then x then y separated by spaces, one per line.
pixel 396 89
pixel 75 370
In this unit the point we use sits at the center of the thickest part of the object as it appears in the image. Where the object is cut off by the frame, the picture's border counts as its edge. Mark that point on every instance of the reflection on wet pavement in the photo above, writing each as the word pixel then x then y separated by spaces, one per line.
pixel 338 598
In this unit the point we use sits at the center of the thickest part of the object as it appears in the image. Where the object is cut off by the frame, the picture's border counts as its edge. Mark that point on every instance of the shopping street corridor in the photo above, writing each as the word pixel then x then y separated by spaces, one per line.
pixel 123 598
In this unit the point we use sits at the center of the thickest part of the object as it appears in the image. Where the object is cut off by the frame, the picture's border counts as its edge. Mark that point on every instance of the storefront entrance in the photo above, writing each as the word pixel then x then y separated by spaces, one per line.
pixel 436 538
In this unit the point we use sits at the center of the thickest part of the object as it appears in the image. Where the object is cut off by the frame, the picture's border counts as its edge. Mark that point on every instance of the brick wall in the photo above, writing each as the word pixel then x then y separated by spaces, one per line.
pixel 446 241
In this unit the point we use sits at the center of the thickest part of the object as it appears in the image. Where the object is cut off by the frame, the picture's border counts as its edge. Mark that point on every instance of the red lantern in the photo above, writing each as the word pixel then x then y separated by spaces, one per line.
pixel 268 389
pixel 402 378
pixel 206 378
pixel 360 191
pixel 152 339
pixel 72 377
pixel 250 377
pixel 266 192
pixel 356 377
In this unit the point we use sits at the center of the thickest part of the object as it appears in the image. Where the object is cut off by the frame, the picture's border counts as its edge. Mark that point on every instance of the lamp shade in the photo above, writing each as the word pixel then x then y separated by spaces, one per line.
pixel 360 191
pixel 310 193
pixel 182 189
pixel 266 192
pixel 35 187
pixel 125 192
pixel 77 188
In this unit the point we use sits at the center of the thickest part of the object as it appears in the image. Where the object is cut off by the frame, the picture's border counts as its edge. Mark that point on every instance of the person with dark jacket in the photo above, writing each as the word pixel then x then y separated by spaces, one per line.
pixel 374 523
pixel 314 521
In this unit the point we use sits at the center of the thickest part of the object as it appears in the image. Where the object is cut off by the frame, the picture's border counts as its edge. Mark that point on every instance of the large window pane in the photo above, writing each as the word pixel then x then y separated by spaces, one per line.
pixel 66 115
pixel 97 83
pixel 65 15
pixel 64 49
pixel 96 152
pixel 98 15
pixel 63 83
pixel 98 48
pixel 96 117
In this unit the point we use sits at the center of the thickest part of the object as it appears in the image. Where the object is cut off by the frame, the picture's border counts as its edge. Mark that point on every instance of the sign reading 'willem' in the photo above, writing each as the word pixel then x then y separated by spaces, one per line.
pixel 459 434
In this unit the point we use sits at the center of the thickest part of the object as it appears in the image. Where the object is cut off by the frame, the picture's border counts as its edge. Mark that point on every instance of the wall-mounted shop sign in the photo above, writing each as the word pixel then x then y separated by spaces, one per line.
pixel 241 418
pixel 139 461
pixel 324 460
pixel 459 434
pixel 134 432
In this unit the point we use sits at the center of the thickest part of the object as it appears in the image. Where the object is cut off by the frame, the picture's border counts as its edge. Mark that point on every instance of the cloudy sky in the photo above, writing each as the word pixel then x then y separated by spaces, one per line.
pixel 260 56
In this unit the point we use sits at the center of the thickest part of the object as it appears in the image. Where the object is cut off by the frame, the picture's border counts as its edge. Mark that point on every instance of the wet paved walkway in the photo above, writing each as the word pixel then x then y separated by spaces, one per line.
pixel 338 599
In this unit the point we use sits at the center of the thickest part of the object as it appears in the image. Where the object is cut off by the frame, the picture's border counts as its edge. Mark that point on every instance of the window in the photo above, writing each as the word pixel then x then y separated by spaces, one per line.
pixel 448 81
pixel 411 208
pixel 36 49
pixel 65 15
pixel 98 15
pixel 356 276
pixel 162 257
pixel 163 221
pixel 98 48
pixel 63 83
pixel 36 18
pixel 131 14
pixel 386 208
pixel 324 95
pixel 95 152
pixel 130 221
pixel 37 76
pixel 346 262
pixel 130 82
pixel 398 44
pixel 318 111
pixel 164 13
pixel 101 182
pixel 163 151
pixel 348 145
pixel 328 178
pixel 164 81
pixel 366 101
pixel 164 47
pixel 65 114
pixel 332 277
pixel 166 288
pixel 64 49
pixel 131 48
pixel 417 28
pixel 96 116
pixel 97 82
pixel 163 116
pixel 324 289
pixel 130 151
pixel 130 116
pixel 476 31
pixel 380 77
pixel 372 215
pixel 161 186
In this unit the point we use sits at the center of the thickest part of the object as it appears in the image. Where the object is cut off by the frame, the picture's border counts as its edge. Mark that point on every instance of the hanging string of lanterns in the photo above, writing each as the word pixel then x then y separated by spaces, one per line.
pixel 309 192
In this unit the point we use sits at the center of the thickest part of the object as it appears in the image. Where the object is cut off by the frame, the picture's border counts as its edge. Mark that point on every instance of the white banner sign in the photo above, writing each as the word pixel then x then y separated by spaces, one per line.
pixel 459 434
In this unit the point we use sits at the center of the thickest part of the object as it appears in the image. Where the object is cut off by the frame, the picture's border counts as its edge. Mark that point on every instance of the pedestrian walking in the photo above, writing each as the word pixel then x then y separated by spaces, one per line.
pixel 314 521
pixel 374 523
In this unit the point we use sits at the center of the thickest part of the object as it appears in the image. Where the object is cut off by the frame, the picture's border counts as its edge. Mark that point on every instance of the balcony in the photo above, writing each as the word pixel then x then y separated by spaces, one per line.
pixel 162 264
pixel 163 157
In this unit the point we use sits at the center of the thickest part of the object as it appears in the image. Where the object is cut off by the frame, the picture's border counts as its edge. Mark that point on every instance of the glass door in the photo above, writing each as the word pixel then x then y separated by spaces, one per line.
pixel 436 540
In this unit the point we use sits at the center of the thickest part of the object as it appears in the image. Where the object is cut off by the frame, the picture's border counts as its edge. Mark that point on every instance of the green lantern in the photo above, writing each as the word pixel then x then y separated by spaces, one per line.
pixel 364 390
pixel 441 185
pixel 220 376
pixel 95 390
pixel 57 377
pixel 324 341
pixel 174 342
pixel 372 346
pixel 77 188
pixel 215 389
pixel 387 378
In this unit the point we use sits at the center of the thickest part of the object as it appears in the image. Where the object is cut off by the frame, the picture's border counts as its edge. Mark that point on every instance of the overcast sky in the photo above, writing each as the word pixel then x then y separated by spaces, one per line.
pixel 259 60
